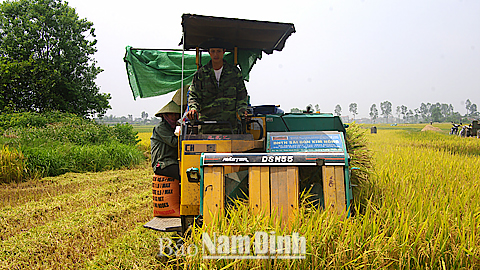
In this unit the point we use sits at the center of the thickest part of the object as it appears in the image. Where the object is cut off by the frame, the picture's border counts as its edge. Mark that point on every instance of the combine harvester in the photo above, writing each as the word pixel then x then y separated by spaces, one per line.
pixel 276 158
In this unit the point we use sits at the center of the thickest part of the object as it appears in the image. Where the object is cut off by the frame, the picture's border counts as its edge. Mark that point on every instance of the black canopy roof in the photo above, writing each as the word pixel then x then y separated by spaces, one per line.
pixel 244 34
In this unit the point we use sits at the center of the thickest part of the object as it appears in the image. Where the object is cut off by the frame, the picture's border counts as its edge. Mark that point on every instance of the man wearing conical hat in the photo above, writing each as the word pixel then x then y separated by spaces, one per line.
pixel 164 142
pixel 217 92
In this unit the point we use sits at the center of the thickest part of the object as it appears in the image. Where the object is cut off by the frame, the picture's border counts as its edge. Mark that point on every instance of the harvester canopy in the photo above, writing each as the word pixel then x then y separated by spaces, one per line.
pixel 157 72
pixel 244 34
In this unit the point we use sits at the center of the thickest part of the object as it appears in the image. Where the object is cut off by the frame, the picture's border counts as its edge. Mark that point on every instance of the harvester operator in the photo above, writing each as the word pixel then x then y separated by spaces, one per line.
pixel 164 142
pixel 217 92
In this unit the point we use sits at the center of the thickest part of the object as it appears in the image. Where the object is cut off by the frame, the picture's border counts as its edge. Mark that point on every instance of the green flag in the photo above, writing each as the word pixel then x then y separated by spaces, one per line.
pixel 154 73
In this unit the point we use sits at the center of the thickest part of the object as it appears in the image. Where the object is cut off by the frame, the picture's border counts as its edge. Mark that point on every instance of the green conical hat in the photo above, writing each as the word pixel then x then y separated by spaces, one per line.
pixel 171 107
pixel 177 97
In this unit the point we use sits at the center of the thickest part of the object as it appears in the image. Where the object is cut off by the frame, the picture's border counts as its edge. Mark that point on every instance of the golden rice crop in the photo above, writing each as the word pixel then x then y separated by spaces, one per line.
pixel 70 218
pixel 144 138
pixel 12 165
pixel 144 143
pixel 421 211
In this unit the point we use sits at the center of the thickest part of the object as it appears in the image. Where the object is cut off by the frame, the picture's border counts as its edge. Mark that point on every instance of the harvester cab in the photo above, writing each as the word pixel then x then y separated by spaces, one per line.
pixel 276 158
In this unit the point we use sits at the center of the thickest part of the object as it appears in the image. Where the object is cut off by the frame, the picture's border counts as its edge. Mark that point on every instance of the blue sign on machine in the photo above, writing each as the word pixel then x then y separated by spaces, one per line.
pixel 317 141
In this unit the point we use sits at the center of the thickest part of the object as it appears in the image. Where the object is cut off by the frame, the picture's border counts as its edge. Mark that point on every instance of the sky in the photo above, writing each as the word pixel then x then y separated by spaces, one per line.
pixel 350 51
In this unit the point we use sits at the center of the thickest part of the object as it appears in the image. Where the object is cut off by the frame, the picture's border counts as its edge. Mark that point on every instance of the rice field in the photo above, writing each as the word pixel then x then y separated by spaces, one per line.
pixel 12 164
pixel 420 209
pixel 144 134
pixel 145 138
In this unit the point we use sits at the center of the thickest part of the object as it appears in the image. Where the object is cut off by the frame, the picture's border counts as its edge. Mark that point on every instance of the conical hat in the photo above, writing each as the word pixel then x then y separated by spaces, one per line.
pixel 171 107
pixel 177 97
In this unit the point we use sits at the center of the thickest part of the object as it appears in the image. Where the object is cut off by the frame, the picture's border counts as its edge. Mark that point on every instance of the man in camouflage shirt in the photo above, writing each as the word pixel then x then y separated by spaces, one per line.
pixel 217 93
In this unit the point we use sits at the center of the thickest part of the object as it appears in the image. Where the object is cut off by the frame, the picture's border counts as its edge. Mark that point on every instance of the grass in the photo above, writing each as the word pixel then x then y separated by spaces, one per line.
pixel 59 159
pixel 35 145
pixel 421 209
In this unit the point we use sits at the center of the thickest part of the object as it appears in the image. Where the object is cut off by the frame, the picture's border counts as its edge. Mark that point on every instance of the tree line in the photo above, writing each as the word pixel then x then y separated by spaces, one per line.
pixel 427 112
pixel 143 120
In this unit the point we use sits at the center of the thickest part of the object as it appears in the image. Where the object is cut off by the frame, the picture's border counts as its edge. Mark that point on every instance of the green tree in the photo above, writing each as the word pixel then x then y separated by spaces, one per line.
pixel 425 111
pixel 436 113
pixel 144 117
pixel 386 108
pixel 46 59
pixel 409 116
pixel 455 117
pixel 353 109
pixel 403 111
pixel 446 109
pixel 468 103
pixel 373 112
pixel 471 108
pixel 338 110
pixel 398 111
pixel 417 115
pixel 295 110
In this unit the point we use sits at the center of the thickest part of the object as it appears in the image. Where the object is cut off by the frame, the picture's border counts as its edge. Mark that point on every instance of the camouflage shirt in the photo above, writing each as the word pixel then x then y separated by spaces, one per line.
pixel 220 101
pixel 163 144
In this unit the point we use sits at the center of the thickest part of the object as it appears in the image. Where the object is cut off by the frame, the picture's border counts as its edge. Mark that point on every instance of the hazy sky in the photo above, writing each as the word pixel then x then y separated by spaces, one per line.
pixel 403 51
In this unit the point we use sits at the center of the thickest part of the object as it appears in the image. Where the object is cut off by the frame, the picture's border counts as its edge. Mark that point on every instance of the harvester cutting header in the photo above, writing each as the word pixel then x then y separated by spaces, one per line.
pixel 228 148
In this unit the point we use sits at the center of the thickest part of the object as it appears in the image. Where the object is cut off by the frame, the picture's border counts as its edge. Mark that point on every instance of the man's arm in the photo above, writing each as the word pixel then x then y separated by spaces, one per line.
pixel 242 96
pixel 166 136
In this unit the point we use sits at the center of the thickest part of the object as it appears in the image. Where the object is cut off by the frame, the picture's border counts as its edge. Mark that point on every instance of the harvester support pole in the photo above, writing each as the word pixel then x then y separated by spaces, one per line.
pixel 181 102
pixel 198 58
pixel 235 56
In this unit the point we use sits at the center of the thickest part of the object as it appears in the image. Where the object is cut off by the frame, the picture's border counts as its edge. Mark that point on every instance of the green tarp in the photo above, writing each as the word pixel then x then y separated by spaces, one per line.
pixel 154 73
